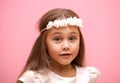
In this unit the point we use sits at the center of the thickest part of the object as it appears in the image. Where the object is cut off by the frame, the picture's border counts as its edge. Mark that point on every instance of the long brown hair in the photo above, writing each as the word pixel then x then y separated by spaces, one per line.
pixel 39 59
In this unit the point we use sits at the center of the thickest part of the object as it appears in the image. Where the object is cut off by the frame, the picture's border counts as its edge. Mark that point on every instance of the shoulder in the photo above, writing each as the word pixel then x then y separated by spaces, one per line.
pixel 88 69
pixel 30 76
pixel 27 77
pixel 89 72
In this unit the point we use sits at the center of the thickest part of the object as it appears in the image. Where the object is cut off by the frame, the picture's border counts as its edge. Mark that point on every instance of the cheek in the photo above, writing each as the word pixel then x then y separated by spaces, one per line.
pixel 52 48
pixel 76 47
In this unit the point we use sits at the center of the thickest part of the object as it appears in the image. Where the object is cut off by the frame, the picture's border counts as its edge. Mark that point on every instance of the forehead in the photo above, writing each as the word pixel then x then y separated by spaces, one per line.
pixel 64 30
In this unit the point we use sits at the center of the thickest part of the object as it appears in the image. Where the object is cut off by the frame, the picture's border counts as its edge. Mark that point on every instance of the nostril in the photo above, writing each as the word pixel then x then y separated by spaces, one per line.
pixel 66 45
pixel 66 48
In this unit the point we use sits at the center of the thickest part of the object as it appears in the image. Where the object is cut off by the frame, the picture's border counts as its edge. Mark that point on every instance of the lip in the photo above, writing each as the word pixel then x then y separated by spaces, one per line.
pixel 65 54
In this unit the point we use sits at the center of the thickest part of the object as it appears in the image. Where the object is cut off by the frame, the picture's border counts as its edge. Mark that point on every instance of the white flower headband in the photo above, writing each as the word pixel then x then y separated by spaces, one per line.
pixel 73 21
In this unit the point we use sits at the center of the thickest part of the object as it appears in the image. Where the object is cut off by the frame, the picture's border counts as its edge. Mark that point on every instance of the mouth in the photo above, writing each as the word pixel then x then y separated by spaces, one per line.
pixel 66 54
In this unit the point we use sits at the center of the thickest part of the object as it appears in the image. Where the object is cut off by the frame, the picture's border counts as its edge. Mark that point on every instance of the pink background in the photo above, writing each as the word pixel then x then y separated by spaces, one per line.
pixel 101 32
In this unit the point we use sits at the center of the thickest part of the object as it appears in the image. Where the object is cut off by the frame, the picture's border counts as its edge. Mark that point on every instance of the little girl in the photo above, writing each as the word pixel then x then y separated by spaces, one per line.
pixel 58 53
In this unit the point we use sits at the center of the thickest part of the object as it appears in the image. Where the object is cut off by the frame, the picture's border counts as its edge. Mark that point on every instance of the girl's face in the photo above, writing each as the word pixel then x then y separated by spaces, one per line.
pixel 63 44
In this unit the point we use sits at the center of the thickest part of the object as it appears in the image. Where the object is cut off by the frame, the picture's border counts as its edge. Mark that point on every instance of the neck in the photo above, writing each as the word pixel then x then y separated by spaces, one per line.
pixel 64 70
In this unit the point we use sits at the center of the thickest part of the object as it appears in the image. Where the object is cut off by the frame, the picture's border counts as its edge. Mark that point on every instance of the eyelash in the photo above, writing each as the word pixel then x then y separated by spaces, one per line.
pixel 58 39
pixel 72 38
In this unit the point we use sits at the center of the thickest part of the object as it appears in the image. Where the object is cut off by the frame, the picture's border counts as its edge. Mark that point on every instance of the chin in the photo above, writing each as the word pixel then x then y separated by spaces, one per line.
pixel 66 63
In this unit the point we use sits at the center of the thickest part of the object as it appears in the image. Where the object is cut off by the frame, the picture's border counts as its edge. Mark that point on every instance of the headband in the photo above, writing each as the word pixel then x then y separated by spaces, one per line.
pixel 72 21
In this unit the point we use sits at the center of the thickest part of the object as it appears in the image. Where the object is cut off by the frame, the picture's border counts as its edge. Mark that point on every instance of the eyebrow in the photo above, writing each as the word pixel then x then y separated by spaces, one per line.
pixel 74 33
pixel 56 33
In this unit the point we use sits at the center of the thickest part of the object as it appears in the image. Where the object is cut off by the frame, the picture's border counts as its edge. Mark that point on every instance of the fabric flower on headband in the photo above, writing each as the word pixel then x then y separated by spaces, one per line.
pixel 72 21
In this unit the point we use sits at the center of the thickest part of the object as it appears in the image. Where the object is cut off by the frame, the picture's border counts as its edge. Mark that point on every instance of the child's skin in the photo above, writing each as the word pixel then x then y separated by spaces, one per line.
pixel 63 46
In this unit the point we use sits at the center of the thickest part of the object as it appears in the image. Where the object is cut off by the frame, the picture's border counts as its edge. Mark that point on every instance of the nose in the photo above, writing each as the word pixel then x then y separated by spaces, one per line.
pixel 66 45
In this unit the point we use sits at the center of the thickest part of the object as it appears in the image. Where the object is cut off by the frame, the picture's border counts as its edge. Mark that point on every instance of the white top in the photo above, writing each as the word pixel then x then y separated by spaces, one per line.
pixel 83 75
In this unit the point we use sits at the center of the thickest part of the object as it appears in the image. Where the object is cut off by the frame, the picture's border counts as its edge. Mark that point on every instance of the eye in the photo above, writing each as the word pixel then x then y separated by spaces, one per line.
pixel 57 39
pixel 72 38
